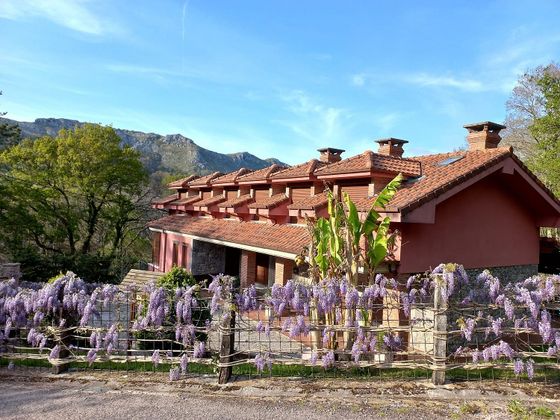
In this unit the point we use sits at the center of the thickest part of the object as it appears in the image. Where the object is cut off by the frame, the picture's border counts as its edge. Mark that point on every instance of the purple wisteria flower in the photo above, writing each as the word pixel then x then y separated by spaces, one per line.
pixel 156 358
pixel 468 328
pixel 518 367
pixel 530 368
pixel 55 352
pixel 184 362
pixel 174 374
pixel 199 350
pixel 313 358
pixel 262 362
pixel 328 359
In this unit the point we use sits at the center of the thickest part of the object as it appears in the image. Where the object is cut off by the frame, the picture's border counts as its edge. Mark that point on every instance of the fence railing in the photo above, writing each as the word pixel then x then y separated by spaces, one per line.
pixel 320 327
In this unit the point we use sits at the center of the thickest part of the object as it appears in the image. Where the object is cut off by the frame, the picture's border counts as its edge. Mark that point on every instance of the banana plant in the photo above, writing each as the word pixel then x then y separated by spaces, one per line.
pixel 343 243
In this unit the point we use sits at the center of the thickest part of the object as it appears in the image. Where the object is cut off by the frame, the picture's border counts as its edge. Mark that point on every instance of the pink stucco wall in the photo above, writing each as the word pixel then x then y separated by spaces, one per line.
pixel 166 254
pixel 484 225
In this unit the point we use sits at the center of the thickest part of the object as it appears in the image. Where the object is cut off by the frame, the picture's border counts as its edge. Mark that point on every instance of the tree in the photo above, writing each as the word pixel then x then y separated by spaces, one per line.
pixel 525 105
pixel 74 201
pixel 9 134
pixel 545 161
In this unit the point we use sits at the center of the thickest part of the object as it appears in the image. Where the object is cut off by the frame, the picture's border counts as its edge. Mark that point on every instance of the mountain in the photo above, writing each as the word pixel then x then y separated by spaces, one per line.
pixel 172 153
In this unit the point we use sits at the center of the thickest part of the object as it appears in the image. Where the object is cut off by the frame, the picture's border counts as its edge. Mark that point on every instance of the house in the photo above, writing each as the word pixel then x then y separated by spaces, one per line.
pixel 480 207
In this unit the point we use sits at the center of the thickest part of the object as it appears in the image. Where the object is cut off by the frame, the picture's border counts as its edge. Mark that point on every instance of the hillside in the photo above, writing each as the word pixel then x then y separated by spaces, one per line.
pixel 172 153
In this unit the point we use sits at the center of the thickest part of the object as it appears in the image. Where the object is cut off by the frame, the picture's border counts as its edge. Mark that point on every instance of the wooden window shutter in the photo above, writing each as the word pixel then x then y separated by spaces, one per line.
pixel 175 254
pixel 356 192
pixel 261 194
pixel 299 194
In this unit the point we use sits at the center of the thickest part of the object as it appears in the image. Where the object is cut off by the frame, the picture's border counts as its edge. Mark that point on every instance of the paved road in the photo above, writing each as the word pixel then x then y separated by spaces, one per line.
pixel 116 396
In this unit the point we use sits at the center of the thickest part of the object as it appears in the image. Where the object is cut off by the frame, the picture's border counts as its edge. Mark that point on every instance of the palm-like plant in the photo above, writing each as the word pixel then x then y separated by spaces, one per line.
pixel 344 242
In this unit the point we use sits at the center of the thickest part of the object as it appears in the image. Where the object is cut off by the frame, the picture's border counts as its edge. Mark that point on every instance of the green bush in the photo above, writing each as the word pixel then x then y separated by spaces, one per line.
pixel 176 277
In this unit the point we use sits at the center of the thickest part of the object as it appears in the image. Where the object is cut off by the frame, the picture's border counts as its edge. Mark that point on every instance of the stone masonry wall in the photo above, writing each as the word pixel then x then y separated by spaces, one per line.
pixel 207 258
pixel 508 274
pixel 9 270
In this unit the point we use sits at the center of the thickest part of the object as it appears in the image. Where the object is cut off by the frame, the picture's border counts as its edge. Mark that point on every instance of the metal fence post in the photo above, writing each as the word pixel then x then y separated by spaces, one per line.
pixel 439 333
pixel 227 347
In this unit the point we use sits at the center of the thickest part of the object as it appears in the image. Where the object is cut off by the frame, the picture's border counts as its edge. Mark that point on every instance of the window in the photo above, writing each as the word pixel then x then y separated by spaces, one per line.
pixel 450 160
pixel 156 244
pixel 175 254
pixel 184 255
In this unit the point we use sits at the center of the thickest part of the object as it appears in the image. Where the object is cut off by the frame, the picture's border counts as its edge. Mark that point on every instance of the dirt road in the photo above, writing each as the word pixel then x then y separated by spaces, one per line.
pixel 29 394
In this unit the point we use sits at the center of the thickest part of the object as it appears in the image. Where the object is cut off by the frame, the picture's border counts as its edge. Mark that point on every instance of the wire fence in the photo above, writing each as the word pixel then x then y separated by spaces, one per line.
pixel 294 330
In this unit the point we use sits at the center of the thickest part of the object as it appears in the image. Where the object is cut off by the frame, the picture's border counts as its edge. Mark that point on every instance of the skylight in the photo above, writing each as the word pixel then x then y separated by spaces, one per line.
pixel 450 160
pixel 413 180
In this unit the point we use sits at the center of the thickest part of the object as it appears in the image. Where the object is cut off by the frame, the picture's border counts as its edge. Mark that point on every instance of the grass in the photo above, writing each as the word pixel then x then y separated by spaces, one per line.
pixel 520 411
pixel 279 370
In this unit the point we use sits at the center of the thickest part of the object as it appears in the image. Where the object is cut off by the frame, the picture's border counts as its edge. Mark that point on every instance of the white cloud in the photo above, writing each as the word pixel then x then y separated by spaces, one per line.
pixel 386 122
pixel 313 121
pixel 420 79
pixel 359 79
pixel 75 15
pixel 425 79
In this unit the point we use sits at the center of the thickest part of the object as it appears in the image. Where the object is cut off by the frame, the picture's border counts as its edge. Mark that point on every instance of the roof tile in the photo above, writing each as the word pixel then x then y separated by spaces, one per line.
pixel 310 203
pixel 261 174
pixel 205 180
pixel 286 238
pixel 372 162
pixel 237 201
pixel 183 182
pixel 165 200
pixel 269 202
pixel 230 177
pixel 210 201
pixel 437 178
pixel 305 169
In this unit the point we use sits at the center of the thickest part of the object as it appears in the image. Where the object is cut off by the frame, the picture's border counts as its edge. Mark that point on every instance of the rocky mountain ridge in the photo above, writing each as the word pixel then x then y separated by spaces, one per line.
pixel 173 153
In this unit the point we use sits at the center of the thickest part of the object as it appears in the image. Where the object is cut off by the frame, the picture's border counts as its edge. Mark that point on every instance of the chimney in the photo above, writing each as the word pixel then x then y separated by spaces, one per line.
pixel 330 155
pixel 391 147
pixel 483 135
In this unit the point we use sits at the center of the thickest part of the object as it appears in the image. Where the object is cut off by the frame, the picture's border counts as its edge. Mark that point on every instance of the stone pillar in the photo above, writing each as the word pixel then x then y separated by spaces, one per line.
pixel 283 270
pixel 248 268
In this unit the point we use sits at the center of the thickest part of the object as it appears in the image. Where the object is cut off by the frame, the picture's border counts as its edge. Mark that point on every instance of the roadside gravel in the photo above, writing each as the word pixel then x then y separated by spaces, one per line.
pixel 29 394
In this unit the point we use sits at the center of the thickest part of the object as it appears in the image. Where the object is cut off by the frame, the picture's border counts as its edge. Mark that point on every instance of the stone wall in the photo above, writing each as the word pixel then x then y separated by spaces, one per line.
pixel 9 270
pixel 207 258
pixel 508 274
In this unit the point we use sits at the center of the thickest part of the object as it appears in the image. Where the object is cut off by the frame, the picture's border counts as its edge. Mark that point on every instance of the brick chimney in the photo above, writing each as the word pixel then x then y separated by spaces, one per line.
pixel 391 147
pixel 484 135
pixel 330 155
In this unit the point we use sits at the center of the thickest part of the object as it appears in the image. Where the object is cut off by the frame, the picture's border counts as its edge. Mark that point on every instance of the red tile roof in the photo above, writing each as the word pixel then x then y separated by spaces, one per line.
pixel 182 183
pixel 237 201
pixel 261 174
pixel 230 177
pixel 437 178
pixel 310 203
pixel 210 201
pixel 205 180
pixel 305 169
pixel 165 200
pixel 286 238
pixel 372 162
pixel 269 202
pixel 186 201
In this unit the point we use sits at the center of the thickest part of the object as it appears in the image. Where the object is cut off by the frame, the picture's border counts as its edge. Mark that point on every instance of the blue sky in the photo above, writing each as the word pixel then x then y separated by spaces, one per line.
pixel 277 79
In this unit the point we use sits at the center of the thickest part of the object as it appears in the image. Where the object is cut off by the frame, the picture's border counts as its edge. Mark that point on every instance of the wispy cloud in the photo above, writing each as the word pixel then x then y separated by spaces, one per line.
pixel 422 80
pixel 312 120
pixel 386 122
pixel 75 15
pixel 425 79
pixel 359 79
